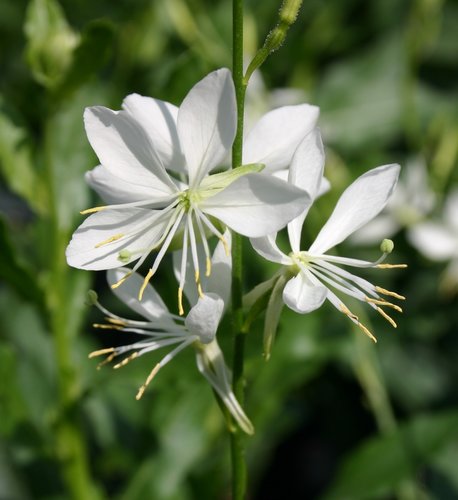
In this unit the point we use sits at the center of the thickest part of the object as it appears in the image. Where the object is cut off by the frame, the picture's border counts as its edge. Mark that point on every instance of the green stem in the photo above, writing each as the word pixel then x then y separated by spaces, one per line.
pixel 239 472
pixel 70 442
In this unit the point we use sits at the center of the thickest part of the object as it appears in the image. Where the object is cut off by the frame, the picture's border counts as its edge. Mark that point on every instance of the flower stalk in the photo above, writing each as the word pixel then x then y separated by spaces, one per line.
pixel 239 471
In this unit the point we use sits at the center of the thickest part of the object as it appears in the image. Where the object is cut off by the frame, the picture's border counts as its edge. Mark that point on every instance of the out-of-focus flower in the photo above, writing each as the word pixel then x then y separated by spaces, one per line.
pixel 310 277
pixel 412 200
pixel 438 240
pixel 154 173
pixel 163 329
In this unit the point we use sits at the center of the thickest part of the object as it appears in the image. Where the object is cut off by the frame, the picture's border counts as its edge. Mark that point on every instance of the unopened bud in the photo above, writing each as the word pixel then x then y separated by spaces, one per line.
pixel 289 11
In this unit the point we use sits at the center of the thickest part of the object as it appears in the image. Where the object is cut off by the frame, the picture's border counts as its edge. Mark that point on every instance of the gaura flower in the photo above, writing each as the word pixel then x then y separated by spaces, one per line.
pixel 311 277
pixel 438 240
pixel 163 329
pixel 155 169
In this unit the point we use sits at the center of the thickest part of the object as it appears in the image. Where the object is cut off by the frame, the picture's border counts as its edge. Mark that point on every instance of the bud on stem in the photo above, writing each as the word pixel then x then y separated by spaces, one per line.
pixel 274 40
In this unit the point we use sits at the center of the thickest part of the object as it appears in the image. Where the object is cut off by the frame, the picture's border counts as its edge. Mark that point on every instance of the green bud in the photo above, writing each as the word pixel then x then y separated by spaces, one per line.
pixel 50 42
pixel 387 246
pixel 92 298
pixel 289 11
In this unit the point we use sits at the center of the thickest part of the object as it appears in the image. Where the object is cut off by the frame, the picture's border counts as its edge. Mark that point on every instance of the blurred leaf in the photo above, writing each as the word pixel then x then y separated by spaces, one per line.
pixel 50 41
pixel 16 164
pixel 91 54
pixel 16 272
pixel 35 368
pixel 379 465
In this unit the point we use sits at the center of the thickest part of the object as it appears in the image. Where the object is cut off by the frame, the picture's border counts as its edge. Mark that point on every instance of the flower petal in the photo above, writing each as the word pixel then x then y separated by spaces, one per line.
pixel 256 205
pixel 302 296
pixel 114 190
pixel 133 230
pixel 434 241
pixel 203 319
pixel 266 246
pixel 306 172
pixel 124 148
pixel 159 120
pixel 277 134
pixel 151 306
pixel 359 203
pixel 207 123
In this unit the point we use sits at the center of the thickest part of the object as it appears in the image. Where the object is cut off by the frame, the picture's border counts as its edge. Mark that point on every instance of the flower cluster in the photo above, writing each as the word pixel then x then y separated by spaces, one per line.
pixel 165 178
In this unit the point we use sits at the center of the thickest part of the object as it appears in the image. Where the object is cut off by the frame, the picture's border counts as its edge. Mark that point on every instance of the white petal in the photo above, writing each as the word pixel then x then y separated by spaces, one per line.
pixel 256 205
pixel 114 190
pixel 277 134
pixel 141 228
pixel 266 246
pixel 124 148
pixel 359 203
pixel 150 307
pixel 207 123
pixel 434 241
pixel 159 119
pixel 203 319
pixel 302 296
pixel 306 172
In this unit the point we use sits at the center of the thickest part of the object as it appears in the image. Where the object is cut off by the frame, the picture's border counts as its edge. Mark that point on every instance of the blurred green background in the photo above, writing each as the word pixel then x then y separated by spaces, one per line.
pixel 336 417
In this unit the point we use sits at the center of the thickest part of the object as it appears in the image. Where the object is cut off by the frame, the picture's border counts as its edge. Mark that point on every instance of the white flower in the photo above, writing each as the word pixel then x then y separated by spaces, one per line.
pixel 410 203
pixel 154 173
pixel 311 277
pixel 163 329
pixel 438 240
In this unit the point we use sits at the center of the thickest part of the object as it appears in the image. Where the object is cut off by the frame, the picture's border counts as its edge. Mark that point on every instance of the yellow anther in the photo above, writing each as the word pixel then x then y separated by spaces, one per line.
pixel 106 327
pixel 100 352
pixel 121 281
pixel 197 275
pixel 92 210
pixel 391 266
pixel 384 303
pixel 126 360
pixel 225 245
pixel 389 293
pixel 355 318
pixel 388 318
pixel 200 291
pixel 180 302
pixel 208 267
pixel 147 382
pixel 116 321
pixel 106 361
pixel 145 284
pixel 116 237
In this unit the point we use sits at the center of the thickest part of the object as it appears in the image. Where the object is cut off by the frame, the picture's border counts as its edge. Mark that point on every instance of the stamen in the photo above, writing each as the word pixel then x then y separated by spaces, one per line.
pixel 109 359
pixel 208 266
pixel 192 240
pixel 126 360
pixel 121 281
pixel 147 382
pixel 199 290
pixel 101 352
pixel 116 321
pixel 93 210
pixel 387 317
pixel 355 319
pixel 389 293
pixel 106 327
pixel 180 301
pixel 215 231
pixel 116 237
pixel 145 284
pixel 391 266
pixel 384 303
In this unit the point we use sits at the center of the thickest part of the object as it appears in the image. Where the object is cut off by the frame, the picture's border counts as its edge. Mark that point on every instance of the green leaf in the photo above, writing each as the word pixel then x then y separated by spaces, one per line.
pixel 382 463
pixel 97 38
pixel 16 272
pixel 50 42
pixel 16 165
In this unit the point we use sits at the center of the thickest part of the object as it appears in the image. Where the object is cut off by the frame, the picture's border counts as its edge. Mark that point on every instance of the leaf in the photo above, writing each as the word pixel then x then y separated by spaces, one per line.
pixel 380 464
pixel 97 38
pixel 50 41
pixel 16 164
pixel 16 273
